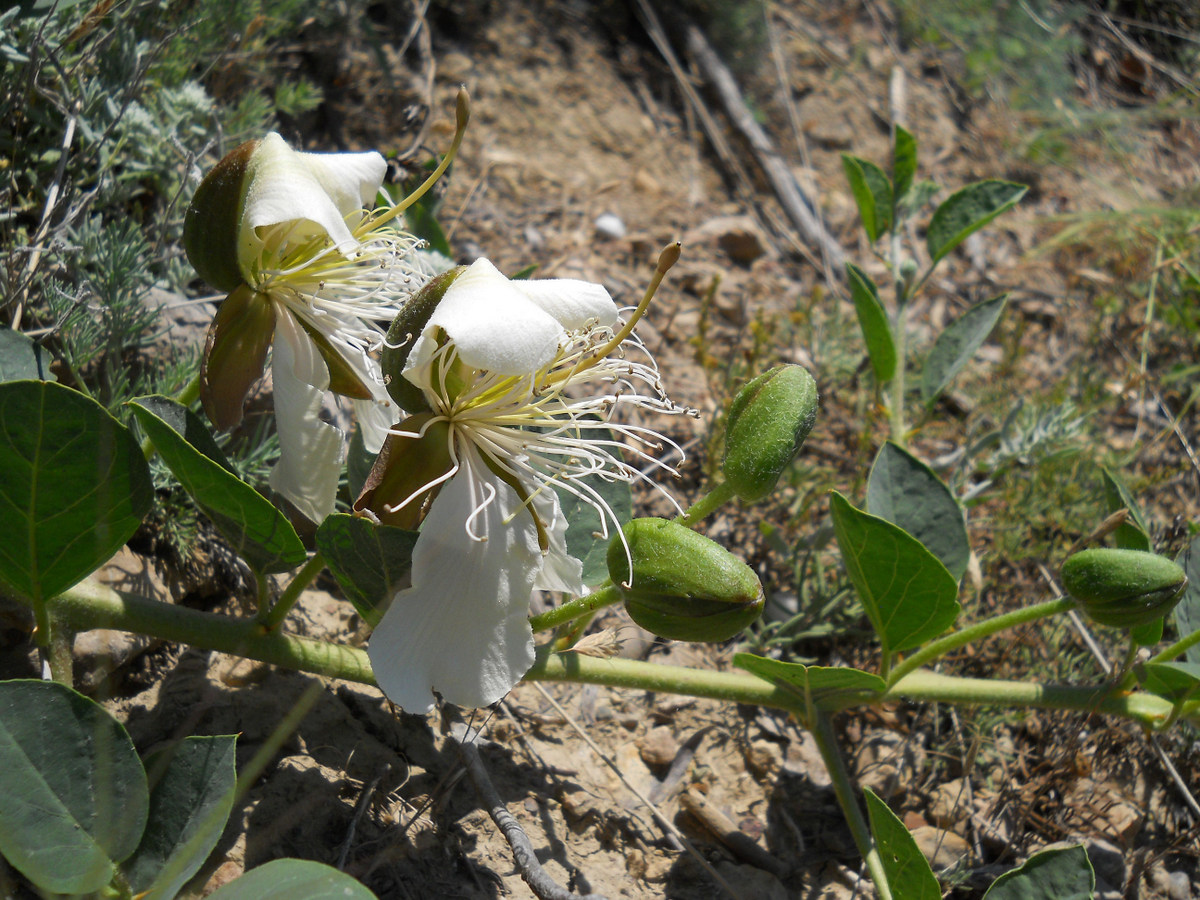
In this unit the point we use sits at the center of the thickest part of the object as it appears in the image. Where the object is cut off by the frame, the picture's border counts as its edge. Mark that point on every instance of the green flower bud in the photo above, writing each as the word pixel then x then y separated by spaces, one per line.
pixel 1123 588
pixel 403 333
pixel 683 586
pixel 768 422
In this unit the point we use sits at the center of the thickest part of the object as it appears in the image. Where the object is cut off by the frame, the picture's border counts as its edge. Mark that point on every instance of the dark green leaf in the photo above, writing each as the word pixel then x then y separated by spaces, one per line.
pixel 1148 633
pixel 872 192
pixel 586 530
pixel 957 344
pixel 74 789
pixel 21 358
pixel 191 798
pixel 370 562
pixel 817 684
pixel 423 223
pixel 359 461
pixel 293 879
pixel 904 167
pixel 1132 534
pixel 908 594
pixel 257 531
pixel 908 873
pixel 906 492
pixel 873 321
pixel 75 487
pixel 1064 874
pixel 968 210
pixel 1172 680
pixel 1187 613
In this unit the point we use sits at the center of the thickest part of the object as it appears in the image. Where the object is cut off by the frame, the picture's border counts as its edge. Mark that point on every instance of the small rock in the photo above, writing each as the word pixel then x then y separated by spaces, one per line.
pixel 942 848
pixel 763 758
pixel 739 237
pixel 658 747
pixel 610 227
pixel 1165 885
pixel 753 882
pixel 1102 808
pixel 804 759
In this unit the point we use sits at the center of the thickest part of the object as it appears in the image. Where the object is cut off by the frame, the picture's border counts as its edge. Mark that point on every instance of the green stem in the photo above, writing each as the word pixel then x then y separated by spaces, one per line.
pixel 899 429
pixel 61 652
pixel 573 609
pixel 90 605
pixel 822 732
pixel 302 579
pixel 706 505
pixel 986 628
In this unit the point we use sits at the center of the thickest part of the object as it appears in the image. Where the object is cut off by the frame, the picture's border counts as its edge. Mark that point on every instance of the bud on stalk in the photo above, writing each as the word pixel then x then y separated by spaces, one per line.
pixel 683 586
pixel 1123 588
pixel 768 422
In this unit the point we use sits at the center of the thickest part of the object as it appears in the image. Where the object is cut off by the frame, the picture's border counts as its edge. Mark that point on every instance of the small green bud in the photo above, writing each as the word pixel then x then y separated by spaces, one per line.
pixel 403 333
pixel 1123 588
pixel 683 586
pixel 908 271
pixel 768 422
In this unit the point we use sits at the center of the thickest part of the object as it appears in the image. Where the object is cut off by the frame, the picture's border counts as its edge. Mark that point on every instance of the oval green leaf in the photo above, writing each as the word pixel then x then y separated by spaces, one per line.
pixel 1172 681
pixel 74 790
pixel 956 345
pixel 908 594
pixel 588 534
pixel 190 801
pixel 873 321
pixel 1132 534
pixel 872 191
pixel 75 487
pixel 968 210
pixel 370 562
pixel 816 684
pixel 906 492
pixel 904 167
pixel 21 358
pixel 907 870
pixel 257 531
pixel 1064 874
pixel 293 879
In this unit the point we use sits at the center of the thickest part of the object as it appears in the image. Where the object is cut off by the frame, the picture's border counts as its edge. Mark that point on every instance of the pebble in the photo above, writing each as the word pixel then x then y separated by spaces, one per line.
pixel 610 227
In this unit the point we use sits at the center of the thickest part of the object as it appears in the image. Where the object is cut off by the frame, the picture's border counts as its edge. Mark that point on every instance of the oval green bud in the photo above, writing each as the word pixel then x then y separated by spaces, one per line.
pixel 768 423
pixel 213 219
pixel 403 333
pixel 683 586
pixel 1123 588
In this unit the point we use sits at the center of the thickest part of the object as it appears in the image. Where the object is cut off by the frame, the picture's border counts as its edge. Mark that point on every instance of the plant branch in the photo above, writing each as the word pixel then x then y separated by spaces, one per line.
pixel 606 595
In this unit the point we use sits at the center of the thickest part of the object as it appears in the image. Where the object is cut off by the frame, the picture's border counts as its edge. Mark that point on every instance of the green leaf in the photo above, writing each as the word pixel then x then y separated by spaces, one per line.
pixel 370 562
pixel 908 873
pixel 194 783
pixel 873 321
pixel 968 210
pixel 359 462
pixel 293 879
pixel 1148 633
pixel 872 191
pixel 74 790
pixel 1173 681
pixel 1132 534
pixel 75 487
pixel 257 531
pixel 957 344
pixel 904 167
pixel 1064 874
pixel 817 684
pixel 422 222
pixel 906 492
pixel 21 358
pixel 586 530
pixel 1187 613
pixel 908 594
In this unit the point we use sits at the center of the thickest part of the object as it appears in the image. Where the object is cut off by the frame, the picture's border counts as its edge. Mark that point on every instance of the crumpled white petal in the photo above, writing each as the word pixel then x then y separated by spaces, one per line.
pixel 310 451
pixel 560 570
pixel 322 189
pixel 462 628
pixel 511 327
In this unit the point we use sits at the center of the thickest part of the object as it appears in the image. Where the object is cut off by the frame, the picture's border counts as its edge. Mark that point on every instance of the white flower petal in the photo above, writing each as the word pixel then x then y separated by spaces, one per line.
pixel 572 303
pixel 310 451
pixel 462 628
pixel 322 189
pixel 560 570
pixel 494 325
